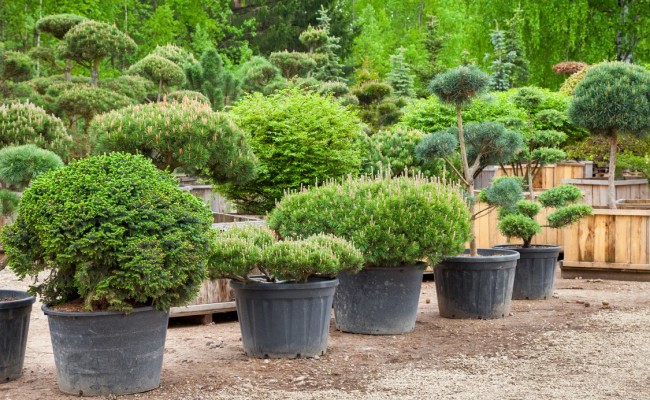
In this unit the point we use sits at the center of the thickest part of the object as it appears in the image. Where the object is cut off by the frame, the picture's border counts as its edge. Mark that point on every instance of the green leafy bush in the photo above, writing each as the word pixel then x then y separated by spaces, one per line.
pixel 29 124
pixel 187 135
pixel 241 251
pixel 392 221
pixel 300 139
pixel 20 164
pixel 111 230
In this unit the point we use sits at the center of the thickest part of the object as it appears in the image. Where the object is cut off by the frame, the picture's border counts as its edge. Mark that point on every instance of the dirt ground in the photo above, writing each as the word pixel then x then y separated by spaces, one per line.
pixel 591 341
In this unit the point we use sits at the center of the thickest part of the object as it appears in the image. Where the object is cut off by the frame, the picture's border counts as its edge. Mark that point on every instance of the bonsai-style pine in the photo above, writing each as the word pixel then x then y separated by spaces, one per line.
pixel 613 99
pixel 187 135
pixel 394 222
pixel 519 221
pixel 159 70
pixel 89 42
pixel 213 80
pixel 58 25
pixel 239 251
pixel 113 231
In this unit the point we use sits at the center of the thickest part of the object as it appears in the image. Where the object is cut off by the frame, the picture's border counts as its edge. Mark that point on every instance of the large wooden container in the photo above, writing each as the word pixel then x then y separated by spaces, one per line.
pixel 612 244
pixel 595 190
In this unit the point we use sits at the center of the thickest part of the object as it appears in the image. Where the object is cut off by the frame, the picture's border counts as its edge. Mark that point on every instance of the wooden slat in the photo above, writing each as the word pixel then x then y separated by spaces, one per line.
pixel 622 237
pixel 605 265
pixel 200 309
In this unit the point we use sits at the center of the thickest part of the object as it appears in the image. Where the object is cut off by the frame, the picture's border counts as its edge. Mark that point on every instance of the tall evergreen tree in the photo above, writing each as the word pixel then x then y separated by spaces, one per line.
pixel 210 77
pixel 400 77
pixel 330 68
pixel 502 61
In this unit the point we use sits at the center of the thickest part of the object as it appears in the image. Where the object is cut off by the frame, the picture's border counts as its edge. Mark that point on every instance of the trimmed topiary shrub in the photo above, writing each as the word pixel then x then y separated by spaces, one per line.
pixel 300 139
pixel 292 64
pixel 20 164
pixel 393 221
pixel 241 251
pixel 112 231
pixel 179 95
pixel 257 73
pixel 29 124
pixel 187 135
pixel 162 72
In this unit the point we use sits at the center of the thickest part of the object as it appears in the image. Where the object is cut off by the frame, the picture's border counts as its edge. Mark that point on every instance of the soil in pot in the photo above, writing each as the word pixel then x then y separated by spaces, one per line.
pixel 476 287
pixel 378 300
pixel 107 353
pixel 535 273
pixel 15 310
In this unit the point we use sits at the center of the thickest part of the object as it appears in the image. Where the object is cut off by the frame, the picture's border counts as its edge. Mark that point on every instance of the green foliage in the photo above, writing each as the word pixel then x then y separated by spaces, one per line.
pixel 257 73
pixel 502 64
pixel 394 149
pixel 329 66
pixel 188 135
pixel 613 97
pixel 313 38
pixel 640 164
pixel 179 95
pixel 59 24
pixel 15 66
pixel 372 92
pixel 596 149
pixel 8 205
pixel 238 253
pixel 392 221
pixel 175 54
pixel 134 87
pixel 459 85
pixel 400 77
pixel 20 164
pixel 300 138
pixel 86 102
pixel 292 64
pixel 210 77
pixel 129 236
pixel 434 42
pixel 29 124
pixel 519 221
pixel 158 69
pixel 336 89
pixel 572 81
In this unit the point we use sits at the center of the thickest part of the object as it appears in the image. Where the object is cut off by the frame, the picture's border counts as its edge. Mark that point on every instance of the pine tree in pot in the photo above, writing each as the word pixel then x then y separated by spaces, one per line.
pixel 477 284
pixel 122 243
pixel 18 165
pixel 284 311
pixel 535 273
pixel 397 223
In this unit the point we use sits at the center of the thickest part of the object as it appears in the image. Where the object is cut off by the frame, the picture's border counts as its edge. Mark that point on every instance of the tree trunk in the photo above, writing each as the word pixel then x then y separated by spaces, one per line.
pixel 94 74
pixel 468 176
pixel 67 71
pixel 611 190
pixel 530 183
pixel 160 88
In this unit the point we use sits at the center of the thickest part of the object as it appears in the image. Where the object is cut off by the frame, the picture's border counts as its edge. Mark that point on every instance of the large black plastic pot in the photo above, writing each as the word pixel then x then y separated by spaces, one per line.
pixel 378 300
pixel 103 353
pixel 535 274
pixel 476 287
pixel 14 325
pixel 284 320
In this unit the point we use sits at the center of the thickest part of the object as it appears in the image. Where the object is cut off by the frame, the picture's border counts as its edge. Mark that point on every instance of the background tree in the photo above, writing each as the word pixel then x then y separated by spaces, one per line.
pixel 213 80
pixel 58 25
pixel 400 77
pixel 89 42
pixel 613 99
pixel 161 71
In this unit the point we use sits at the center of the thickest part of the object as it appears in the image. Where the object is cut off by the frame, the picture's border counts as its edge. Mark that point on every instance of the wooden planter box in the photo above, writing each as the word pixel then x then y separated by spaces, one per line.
pixel 595 190
pixel 613 244
pixel 215 295
pixel 217 203
pixel 550 176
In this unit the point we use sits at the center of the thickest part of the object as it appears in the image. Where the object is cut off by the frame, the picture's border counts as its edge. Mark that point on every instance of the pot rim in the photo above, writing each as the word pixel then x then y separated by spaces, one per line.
pixel 24 299
pixel 535 248
pixel 86 314
pixel 509 255
pixel 317 283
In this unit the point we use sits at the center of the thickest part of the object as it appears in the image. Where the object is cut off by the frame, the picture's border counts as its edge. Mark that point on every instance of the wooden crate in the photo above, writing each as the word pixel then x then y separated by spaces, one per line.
pixel 550 176
pixel 488 235
pixel 611 243
pixel 595 190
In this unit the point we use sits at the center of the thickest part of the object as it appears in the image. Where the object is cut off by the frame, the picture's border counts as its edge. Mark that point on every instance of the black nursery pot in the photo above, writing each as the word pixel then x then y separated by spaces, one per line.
pixel 284 320
pixel 107 352
pixel 535 274
pixel 476 287
pixel 14 326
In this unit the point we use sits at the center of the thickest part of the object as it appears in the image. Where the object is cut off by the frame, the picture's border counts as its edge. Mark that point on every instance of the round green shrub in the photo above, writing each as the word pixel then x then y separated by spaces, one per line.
pixel 459 85
pixel 25 123
pixel 292 63
pixel 59 24
pixel 159 70
pixel 87 101
pixel 372 92
pixel 20 164
pixel 187 135
pixel 257 73
pixel 240 251
pixel 300 139
pixel 392 221
pixel 132 86
pixel 175 54
pixel 113 231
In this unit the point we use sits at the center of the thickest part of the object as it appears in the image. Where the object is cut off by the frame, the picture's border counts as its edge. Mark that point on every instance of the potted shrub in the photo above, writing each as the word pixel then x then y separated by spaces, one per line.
pixel 479 283
pixel 397 223
pixel 18 165
pixel 535 273
pixel 120 243
pixel 284 309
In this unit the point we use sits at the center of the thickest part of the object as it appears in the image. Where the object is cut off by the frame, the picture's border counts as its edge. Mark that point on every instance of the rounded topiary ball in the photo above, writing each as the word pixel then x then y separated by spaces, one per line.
pixel 112 230
pixel 459 85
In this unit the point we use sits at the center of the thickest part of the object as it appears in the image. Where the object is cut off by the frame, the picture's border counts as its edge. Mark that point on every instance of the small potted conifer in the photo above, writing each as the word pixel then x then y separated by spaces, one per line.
pixel 283 289
pixel 399 224
pixel 114 243
pixel 18 166
pixel 535 272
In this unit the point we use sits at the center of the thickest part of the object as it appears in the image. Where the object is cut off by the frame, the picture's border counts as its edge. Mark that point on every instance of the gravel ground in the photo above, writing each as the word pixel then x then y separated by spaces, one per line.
pixel 591 341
